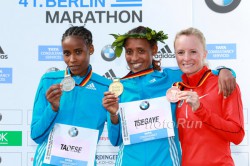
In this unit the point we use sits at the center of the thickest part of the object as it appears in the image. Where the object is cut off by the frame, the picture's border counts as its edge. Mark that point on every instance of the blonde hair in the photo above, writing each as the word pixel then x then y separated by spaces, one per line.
pixel 196 32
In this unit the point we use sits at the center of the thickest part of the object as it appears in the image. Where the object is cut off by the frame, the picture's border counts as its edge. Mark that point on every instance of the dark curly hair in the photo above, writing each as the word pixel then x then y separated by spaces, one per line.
pixel 81 32
pixel 141 29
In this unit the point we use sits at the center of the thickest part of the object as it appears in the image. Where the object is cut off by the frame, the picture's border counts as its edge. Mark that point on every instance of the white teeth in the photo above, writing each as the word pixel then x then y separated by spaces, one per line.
pixel 188 65
pixel 136 65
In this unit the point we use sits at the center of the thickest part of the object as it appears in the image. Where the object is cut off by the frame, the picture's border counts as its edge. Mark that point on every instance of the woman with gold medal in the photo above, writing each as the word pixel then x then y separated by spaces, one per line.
pixel 140 119
pixel 68 116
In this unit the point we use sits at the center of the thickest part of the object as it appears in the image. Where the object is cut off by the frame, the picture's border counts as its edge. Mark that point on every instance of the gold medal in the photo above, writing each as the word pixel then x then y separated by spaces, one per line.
pixel 172 94
pixel 116 87
pixel 68 83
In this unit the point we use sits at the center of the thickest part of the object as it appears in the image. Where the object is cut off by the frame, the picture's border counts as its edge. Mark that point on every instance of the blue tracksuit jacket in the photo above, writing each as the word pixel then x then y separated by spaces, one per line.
pixel 81 107
pixel 161 152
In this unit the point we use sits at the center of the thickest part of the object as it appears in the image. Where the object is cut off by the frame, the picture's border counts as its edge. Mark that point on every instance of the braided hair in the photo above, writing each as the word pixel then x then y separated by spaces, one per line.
pixel 141 29
pixel 79 31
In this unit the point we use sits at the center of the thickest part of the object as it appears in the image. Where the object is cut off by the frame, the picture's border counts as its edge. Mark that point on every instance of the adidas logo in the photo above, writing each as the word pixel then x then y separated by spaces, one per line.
pixel 1 50
pixel 153 80
pixel 110 74
pixel 2 54
pixel 164 52
pixel 91 86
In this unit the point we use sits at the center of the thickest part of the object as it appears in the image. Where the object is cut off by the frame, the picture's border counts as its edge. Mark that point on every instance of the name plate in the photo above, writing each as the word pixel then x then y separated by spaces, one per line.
pixel 146 120
pixel 71 145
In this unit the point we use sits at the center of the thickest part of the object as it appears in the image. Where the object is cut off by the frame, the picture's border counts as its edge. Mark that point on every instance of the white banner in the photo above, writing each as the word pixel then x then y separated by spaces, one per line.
pixel 30 44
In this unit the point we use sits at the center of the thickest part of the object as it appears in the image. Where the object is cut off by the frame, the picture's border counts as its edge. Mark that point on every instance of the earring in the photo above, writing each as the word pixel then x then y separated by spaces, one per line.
pixel 157 57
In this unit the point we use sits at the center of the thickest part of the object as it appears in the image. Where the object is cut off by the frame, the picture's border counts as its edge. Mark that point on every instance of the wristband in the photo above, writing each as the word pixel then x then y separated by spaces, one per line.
pixel 224 67
pixel 113 115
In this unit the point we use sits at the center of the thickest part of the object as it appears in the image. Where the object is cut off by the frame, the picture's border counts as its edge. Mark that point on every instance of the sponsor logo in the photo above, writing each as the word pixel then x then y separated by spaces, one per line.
pixel 104 138
pixel 106 159
pixel 6 75
pixel 221 51
pixel 10 138
pixel 127 3
pixel 108 53
pixel 222 6
pixel 110 74
pixel 121 15
pixel 91 86
pixel 73 132
pixel 152 81
pixel 144 105
pixel 50 53
pixel 2 54
pixel 52 69
pixel 164 52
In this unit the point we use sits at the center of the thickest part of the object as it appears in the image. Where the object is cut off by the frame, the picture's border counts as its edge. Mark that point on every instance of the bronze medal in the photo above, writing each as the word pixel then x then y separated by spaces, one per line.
pixel 172 94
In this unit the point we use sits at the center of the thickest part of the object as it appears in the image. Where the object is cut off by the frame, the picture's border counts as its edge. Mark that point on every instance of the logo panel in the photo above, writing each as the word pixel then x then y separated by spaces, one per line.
pixel 50 53
pixel 2 54
pixel 108 53
pixel 164 52
pixel 144 105
pixel 6 75
pixel 221 51
pixel 10 138
pixel 224 6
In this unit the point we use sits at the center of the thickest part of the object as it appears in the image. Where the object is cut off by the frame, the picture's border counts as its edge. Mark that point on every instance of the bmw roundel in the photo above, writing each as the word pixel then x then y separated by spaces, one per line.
pixel 108 53
pixel 222 6
pixel 73 132
pixel 144 105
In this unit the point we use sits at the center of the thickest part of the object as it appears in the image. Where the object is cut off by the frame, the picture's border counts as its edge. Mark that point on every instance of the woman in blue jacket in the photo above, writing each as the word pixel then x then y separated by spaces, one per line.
pixel 72 97
pixel 147 84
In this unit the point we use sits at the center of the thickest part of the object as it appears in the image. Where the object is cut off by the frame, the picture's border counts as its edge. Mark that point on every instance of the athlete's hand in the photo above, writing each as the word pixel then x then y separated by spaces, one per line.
pixel 227 82
pixel 110 102
pixel 191 98
pixel 53 95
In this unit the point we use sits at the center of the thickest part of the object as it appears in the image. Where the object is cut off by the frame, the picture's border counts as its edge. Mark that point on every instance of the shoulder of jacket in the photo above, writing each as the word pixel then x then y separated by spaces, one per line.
pixel 100 79
pixel 53 75
pixel 172 71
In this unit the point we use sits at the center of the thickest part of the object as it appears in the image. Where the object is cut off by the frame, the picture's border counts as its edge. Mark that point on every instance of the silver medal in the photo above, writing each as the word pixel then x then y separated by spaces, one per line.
pixel 68 83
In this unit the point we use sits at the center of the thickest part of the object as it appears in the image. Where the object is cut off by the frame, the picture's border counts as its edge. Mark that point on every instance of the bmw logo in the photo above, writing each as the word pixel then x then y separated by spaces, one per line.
pixel 108 53
pixel 73 132
pixel 222 6
pixel 52 69
pixel 144 105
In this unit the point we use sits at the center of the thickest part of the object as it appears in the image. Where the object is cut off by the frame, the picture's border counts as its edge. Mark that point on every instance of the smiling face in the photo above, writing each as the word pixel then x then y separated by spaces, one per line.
pixel 76 54
pixel 139 54
pixel 190 53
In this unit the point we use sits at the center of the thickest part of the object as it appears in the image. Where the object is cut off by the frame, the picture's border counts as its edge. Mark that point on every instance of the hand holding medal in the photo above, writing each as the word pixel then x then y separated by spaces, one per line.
pixel 68 83
pixel 172 94
pixel 116 87
pixel 53 96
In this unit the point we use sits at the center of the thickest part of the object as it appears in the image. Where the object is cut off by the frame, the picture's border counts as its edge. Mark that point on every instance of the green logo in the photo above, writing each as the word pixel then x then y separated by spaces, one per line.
pixel 10 138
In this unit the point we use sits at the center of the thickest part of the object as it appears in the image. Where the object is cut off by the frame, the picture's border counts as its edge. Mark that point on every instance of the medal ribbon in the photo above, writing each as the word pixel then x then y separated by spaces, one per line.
pixel 138 74
pixel 84 81
pixel 181 85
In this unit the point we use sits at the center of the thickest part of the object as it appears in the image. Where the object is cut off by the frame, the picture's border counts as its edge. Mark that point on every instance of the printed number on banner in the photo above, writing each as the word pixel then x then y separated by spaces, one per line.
pixel 23 2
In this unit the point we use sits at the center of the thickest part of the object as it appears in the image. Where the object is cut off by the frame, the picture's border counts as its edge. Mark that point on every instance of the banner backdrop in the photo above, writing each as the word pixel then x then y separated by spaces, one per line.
pixel 30 45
